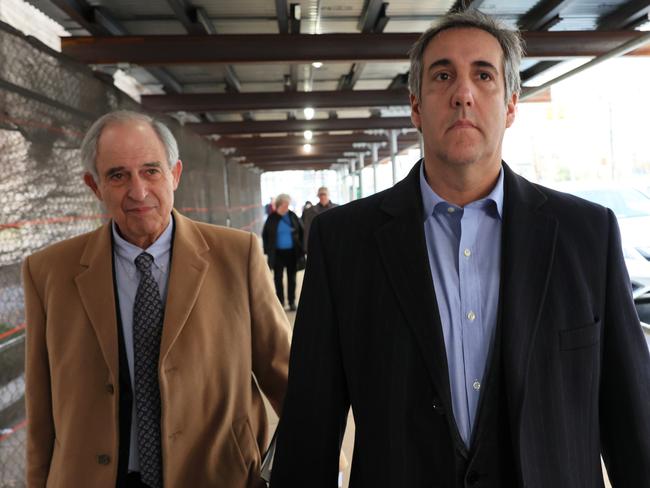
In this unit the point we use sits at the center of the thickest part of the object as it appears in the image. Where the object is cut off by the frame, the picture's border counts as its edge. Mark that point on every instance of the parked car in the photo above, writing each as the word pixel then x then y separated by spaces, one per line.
pixel 632 210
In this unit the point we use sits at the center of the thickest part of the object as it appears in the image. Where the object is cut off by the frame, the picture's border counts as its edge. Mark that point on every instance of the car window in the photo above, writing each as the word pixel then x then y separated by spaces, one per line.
pixel 624 202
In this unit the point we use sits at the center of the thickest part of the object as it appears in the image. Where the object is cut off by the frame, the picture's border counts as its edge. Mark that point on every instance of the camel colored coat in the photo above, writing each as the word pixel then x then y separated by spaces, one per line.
pixel 224 332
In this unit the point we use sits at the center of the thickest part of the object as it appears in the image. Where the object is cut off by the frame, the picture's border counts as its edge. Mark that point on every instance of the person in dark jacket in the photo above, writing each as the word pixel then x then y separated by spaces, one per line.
pixel 283 244
pixel 308 215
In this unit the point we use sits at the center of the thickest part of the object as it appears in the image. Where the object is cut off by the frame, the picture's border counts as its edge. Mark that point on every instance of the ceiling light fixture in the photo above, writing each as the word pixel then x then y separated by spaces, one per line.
pixel 309 113
pixel 317 64
pixel 307 148
pixel 308 135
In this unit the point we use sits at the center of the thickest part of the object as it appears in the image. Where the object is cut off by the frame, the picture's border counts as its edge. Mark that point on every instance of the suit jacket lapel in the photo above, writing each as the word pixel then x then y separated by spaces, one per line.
pixel 188 269
pixel 402 246
pixel 529 238
pixel 95 286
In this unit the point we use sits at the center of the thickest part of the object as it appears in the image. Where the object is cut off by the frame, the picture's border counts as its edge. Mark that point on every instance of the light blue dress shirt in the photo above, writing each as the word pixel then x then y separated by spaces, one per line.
pixel 128 277
pixel 464 247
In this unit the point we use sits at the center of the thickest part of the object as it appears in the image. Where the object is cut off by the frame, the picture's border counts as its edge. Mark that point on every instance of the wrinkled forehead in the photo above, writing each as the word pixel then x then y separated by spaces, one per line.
pixel 466 43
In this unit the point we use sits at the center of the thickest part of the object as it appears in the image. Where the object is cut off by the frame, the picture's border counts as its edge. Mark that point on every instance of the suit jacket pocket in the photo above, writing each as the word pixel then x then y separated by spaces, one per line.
pixel 579 338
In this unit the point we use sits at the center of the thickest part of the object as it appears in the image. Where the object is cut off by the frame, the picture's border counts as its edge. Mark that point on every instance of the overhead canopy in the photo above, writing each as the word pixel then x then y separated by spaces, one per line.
pixel 243 72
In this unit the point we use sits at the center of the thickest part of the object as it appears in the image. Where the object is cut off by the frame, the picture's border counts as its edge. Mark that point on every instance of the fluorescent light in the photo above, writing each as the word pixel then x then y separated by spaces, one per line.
pixel 317 64
pixel 308 135
pixel 309 113
pixel 307 148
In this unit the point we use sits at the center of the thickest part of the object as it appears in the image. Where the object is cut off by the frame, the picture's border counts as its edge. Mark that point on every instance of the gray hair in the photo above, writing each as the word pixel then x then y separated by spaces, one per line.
pixel 89 144
pixel 281 198
pixel 510 41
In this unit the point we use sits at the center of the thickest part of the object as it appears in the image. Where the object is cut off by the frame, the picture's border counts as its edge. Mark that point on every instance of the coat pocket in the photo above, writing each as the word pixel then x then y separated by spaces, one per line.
pixel 246 445
pixel 579 338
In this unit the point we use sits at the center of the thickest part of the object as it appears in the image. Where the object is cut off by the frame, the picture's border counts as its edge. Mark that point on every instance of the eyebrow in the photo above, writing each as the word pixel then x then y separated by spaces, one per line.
pixel 446 62
pixel 117 169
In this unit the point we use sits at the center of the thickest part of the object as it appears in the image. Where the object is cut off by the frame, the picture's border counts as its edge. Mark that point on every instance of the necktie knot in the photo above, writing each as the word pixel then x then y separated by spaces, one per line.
pixel 143 262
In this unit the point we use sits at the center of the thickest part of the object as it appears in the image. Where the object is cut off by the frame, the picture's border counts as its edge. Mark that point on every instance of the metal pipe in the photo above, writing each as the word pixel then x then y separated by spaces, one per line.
pixel 375 163
pixel 393 153
pixel 361 164
pixel 351 174
pixel 226 191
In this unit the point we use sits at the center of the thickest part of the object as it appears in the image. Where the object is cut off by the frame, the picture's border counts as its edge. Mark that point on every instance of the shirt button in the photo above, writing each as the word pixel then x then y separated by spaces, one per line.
pixel 467 253
pixel 476 385
pixel 451 209
pixel 471 316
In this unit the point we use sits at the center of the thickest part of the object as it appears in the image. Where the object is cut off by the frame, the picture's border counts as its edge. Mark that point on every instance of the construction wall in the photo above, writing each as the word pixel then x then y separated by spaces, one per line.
pixel 46 104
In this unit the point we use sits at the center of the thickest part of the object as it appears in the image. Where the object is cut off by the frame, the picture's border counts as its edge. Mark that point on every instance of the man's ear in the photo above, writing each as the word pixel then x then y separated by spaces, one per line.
pixel 415 112
pixel 176 173
pixel 511 109
pixel 90 182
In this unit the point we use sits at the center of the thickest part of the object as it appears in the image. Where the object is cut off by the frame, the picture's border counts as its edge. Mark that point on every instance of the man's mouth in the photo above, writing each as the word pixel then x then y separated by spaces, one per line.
pixel 462 124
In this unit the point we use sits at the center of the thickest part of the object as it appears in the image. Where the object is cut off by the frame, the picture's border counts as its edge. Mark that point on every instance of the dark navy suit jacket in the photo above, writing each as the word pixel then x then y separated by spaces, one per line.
pixel 576 369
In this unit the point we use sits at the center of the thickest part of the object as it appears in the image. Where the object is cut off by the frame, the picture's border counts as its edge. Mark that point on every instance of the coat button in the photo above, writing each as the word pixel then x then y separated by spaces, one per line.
pixel 472 477
pixel 103 459
pixel 110 389
pixel 437 406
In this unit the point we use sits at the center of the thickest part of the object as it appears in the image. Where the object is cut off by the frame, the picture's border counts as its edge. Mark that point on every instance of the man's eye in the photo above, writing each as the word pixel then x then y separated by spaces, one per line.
pixel 485 76
pixel 116 176
pixel 442 76
pixel 152 171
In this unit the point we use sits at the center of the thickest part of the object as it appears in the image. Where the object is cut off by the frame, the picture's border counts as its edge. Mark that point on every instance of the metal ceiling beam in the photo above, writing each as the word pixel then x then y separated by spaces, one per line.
pixel 536 69
pixel 303 166
pixel 543 16
pixel 233 102
pixel 195 20
pixel 256 48
pixel 461 5
pixel 294 151
pixel 317 140
pixel 294 163
pixel 282 13
pixel 547 14
pixel 294 18
pixel 627 16
pixel 315 125
pixel 400 81
pixel 233 85
pixel 99 22
pixel 373 12
pixel 284 159
pixel 295 157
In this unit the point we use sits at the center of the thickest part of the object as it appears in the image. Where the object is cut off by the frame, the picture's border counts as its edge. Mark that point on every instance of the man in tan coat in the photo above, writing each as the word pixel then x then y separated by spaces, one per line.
pixel 147 338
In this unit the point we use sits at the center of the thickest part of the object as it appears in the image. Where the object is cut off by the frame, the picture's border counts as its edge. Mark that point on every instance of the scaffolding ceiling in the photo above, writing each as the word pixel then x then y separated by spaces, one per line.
pixel 243 73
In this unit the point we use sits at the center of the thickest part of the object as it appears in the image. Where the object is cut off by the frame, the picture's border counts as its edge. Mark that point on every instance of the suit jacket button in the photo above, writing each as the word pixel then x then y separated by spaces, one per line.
pixel 103 459
pixel 472 478
pixel 437 406
pixel 110 389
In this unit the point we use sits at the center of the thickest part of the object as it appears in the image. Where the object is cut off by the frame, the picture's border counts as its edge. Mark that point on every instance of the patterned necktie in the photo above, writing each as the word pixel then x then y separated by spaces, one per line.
pixel 147 330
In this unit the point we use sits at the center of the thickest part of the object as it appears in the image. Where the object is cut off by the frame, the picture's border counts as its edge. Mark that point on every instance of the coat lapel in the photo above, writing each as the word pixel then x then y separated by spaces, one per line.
pixel 529 239
pixel 402 246
pixel 95 287
pixel 188 269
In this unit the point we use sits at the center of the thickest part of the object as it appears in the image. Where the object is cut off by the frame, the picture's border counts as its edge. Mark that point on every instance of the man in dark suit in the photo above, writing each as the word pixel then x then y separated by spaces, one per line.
pixel 480 326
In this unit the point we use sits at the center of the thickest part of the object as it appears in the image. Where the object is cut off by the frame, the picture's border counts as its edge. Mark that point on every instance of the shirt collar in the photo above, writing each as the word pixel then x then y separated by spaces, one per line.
pixel 158 249
pixel 430 198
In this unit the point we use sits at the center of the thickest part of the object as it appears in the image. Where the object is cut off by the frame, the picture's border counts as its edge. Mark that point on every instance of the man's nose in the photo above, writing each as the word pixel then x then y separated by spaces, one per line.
pixel 463 95
pixel 138 188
